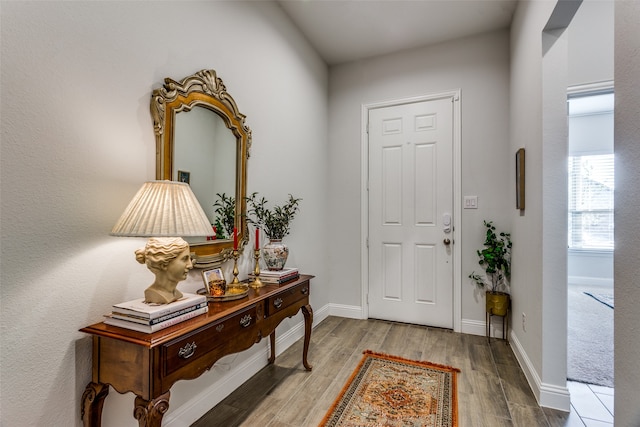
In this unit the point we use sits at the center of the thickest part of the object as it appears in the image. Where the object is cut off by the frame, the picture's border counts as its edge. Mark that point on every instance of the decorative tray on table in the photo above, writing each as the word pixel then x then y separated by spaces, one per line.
pixel 233 292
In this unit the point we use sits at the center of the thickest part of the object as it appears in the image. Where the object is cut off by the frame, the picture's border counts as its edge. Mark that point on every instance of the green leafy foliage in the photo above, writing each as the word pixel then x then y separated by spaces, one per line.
pixel 275 222
pixel 495 259
pixel 226 215
pixel 219 229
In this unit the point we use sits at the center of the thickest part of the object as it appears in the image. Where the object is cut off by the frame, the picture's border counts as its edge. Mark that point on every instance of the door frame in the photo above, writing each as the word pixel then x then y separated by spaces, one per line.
pixel 454 95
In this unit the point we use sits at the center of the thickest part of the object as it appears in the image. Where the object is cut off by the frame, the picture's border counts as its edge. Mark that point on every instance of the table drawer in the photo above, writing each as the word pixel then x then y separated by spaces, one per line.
pixel 185 350
pixel 285 299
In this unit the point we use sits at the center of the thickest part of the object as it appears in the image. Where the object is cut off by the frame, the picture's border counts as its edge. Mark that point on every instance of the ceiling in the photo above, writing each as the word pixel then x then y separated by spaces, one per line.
pixel 348 30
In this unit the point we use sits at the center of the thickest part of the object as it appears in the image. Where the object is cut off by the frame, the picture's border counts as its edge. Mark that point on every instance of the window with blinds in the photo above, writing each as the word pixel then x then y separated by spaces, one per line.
pixel 591 182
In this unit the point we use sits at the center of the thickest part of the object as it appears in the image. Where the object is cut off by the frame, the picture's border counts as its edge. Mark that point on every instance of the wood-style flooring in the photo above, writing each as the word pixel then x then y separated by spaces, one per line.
pixel 492 389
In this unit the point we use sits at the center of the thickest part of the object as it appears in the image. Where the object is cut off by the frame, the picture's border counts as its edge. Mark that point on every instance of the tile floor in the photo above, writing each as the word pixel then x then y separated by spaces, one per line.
pixel 592 404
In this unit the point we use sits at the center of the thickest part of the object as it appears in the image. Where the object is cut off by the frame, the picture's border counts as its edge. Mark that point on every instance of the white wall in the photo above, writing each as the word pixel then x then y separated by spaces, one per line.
pixel 593 268
pixel 591 43
pixel 77 143
pixel 539 255
pixel 555 194
pixel 543 65
pixel 627 205
pixel 479 67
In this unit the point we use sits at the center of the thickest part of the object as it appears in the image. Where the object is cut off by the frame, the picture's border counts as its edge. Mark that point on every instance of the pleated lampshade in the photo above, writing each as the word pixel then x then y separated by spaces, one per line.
pixel 163 209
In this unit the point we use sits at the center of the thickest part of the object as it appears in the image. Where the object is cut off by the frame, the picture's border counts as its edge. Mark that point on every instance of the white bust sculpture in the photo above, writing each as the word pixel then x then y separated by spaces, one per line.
pixel 170 260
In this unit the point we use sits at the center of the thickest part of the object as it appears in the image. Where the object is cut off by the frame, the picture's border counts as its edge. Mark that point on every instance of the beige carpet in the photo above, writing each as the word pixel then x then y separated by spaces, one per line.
pixel 589 337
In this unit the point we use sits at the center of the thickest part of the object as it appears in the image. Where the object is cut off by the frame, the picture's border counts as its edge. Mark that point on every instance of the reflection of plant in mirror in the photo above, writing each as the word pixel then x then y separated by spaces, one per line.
pixel 218 229
pixel 226 214
pixel 275 222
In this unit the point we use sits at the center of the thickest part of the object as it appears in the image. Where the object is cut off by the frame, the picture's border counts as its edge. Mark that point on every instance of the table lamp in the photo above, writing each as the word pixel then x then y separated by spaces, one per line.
pixel 166 211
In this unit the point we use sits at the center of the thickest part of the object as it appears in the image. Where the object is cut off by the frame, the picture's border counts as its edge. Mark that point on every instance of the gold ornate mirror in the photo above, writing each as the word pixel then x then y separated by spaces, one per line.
pixel 206 144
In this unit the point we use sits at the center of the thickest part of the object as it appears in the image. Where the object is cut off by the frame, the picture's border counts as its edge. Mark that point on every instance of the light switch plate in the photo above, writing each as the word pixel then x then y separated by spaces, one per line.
pixel 470 202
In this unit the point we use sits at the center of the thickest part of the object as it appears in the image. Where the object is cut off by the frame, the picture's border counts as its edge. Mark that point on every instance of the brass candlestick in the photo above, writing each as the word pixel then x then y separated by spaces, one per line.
pixel 236 254
pixel 256 283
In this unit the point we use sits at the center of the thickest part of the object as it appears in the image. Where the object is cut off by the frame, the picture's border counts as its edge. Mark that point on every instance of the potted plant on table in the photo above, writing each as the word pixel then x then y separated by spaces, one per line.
pixel 276 224
pixel 495 259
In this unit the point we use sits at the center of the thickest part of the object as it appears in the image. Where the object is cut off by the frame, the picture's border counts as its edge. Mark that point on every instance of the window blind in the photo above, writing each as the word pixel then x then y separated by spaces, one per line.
pixel 591 185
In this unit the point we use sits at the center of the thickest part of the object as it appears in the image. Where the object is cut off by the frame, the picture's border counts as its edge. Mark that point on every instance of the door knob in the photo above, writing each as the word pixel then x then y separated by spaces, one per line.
pixel 447 241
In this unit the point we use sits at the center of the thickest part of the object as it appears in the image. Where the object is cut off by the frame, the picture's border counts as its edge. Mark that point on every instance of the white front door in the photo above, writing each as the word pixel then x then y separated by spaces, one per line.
pixel 411 212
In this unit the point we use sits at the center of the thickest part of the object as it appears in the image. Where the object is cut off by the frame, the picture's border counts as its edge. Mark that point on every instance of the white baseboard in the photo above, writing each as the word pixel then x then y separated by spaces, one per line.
pixel 548 395
pixel 200 404
pixel 318 317
pixel 590 281
pixel 348 311
pixel 479 327
pixel 472 327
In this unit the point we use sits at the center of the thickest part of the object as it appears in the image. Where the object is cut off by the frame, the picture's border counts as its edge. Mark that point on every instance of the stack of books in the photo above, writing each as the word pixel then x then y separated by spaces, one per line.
pixel 277 277
pixel 140 316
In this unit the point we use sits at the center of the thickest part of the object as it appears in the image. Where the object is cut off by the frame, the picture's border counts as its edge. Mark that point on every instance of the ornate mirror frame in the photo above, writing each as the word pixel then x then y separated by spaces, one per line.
pixel 207 90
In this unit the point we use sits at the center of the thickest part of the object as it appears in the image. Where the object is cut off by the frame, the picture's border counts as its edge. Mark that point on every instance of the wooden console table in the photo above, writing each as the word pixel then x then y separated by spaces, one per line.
pixel 149 364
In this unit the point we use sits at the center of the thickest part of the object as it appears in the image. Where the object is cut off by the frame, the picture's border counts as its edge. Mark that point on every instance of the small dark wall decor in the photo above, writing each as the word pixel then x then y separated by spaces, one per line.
pixel 520 179
pixel 184 176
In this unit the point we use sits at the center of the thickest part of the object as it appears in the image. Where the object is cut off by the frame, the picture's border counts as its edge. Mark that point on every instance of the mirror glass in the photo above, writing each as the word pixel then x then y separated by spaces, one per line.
pixel 204 153
pixel 202 139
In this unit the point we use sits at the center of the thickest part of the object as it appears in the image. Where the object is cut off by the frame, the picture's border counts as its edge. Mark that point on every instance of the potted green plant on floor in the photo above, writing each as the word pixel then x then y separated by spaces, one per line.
pixel 276 223
pixel 495 259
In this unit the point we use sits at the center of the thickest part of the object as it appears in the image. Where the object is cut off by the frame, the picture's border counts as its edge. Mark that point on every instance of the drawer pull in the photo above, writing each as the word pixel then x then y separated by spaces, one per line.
pixel 277 303
pixel 305 291
pixel 245 321
pixel 188 350
pixel 220 327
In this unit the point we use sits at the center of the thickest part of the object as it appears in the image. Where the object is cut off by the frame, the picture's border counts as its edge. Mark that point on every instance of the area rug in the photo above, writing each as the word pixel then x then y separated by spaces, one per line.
pixel 606 299
pixel 392 391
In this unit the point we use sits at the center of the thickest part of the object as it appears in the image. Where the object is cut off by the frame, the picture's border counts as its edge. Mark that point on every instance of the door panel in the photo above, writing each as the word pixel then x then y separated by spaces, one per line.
pixel 425 184
pixel 392 269
pixel 410 191
pixel 425 273
pixel 392 185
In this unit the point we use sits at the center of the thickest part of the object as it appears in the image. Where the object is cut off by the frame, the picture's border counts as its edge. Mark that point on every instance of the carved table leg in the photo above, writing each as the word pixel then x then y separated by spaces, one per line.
pixel 149 413
pixel 92 401
pixel 272 342
pixel 307 312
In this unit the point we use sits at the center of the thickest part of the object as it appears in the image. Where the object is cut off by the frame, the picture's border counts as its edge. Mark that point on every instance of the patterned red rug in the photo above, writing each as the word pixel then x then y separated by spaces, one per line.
pixel 391 391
